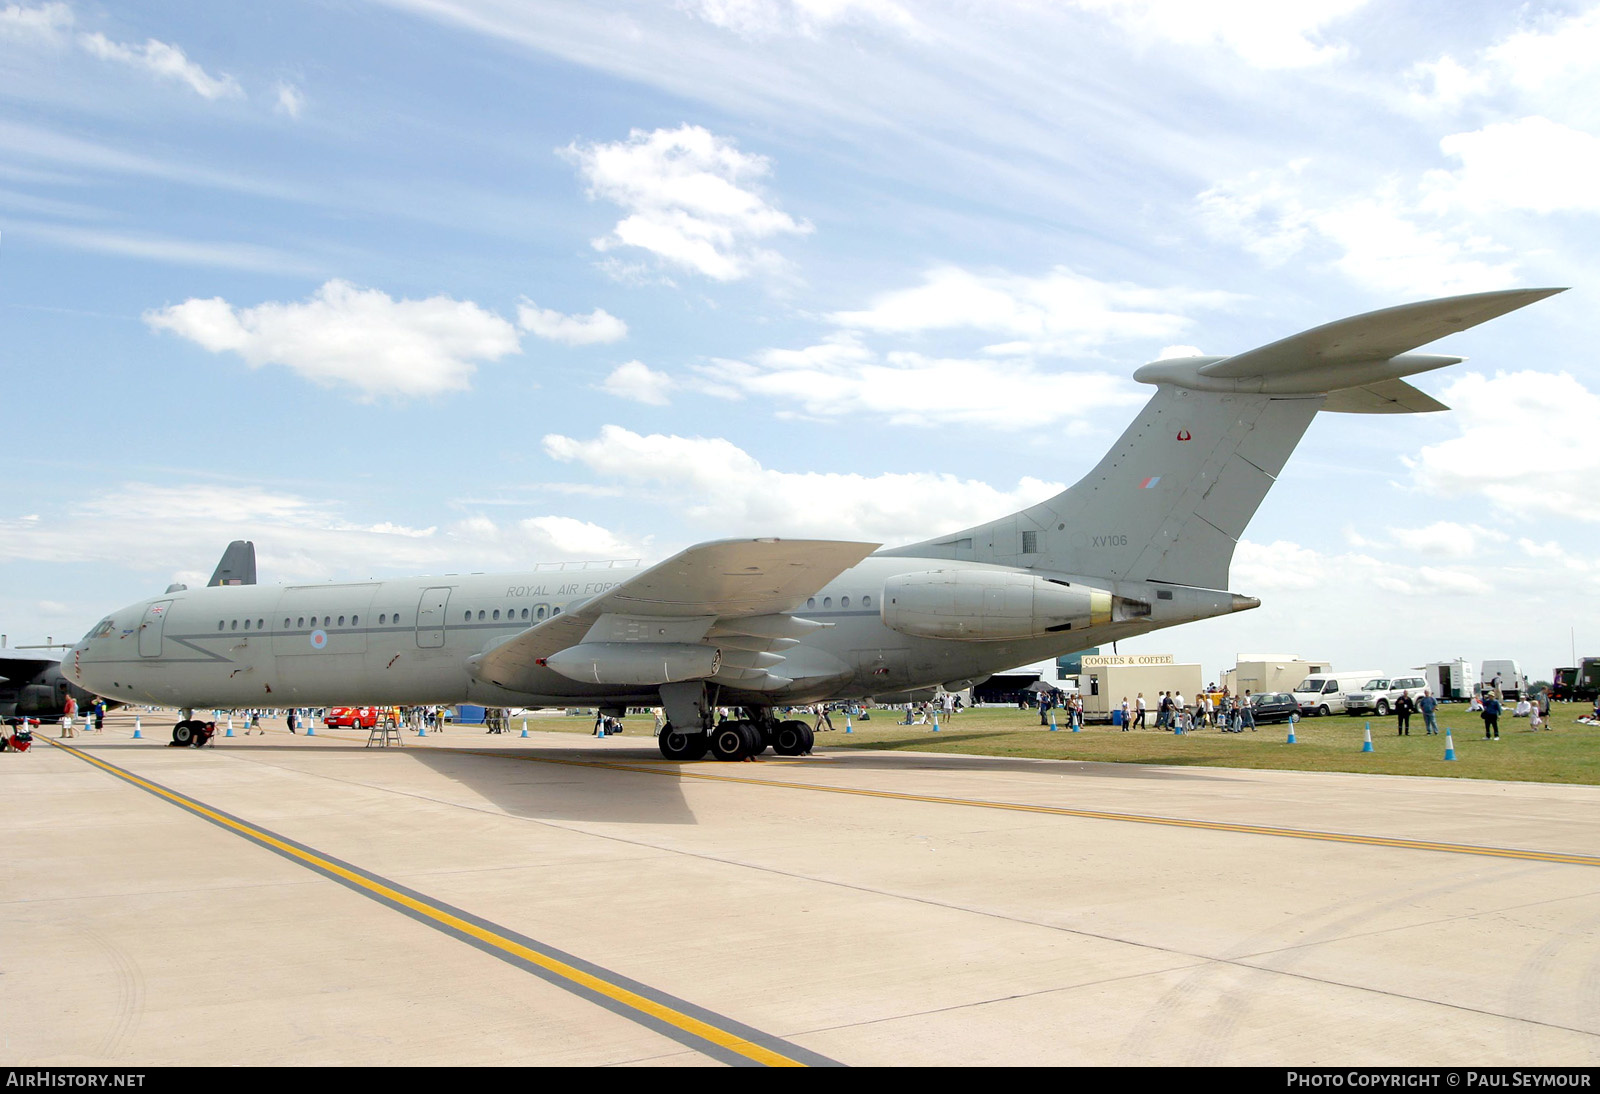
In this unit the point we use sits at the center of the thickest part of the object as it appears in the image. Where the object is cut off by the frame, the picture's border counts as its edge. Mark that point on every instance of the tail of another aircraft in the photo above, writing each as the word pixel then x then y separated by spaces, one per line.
pixel 1171 499
pixel 237 565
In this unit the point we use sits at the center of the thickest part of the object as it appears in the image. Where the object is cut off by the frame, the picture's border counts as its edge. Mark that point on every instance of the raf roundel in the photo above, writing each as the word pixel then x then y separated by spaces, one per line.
pixel 319 638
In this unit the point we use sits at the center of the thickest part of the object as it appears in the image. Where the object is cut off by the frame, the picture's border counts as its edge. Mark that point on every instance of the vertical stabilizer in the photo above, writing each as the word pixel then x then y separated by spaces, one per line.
pixel 238 565
pixel 1171 499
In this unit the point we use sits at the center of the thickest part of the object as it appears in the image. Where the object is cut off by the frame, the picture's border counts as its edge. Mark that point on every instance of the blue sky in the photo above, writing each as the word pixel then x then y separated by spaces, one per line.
pixel 422 287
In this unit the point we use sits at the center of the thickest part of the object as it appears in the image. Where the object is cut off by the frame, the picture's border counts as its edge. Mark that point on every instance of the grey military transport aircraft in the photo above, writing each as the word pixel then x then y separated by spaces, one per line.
pixel 1143 541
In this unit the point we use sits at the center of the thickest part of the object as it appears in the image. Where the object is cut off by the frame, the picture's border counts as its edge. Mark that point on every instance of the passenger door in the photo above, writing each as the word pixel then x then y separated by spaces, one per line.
pixel 430 617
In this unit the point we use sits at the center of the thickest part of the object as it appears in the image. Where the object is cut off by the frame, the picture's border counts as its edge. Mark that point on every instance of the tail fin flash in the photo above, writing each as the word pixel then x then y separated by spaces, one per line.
pixel 238 565
pixel 1172 497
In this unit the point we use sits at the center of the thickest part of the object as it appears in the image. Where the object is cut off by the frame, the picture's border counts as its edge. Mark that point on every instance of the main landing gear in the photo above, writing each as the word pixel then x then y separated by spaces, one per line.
pixel 743 738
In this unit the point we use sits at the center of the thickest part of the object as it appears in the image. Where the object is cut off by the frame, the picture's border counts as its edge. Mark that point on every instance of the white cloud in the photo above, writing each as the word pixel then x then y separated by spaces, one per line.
pixel 164 60
pixel 638 381
pixel 1447 538
pixel 358 338
pixel 599 326
pixel 46 21
pixel 1380 239
pixel 1265 33
pixel 1058 312
pixel 290 100
pixel 759 19
pixel 298 538
pixel 1527 444
pixel 186 252
pixel 842 378
pixel 1445 83
pixel 728 492
pixel 693 200
pixel 1532 163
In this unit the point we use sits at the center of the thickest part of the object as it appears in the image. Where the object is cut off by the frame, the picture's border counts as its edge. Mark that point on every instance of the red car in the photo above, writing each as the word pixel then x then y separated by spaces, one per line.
pixel 351 718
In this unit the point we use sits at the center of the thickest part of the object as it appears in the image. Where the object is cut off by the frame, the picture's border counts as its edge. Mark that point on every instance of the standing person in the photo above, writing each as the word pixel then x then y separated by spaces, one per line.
pixel 1535 723
pixel 1125 708
pixel 1403 707
pixel 1429 707
pixel 1491 717
pixel 1247 713
pixel 1138 704
pixel 67 711
pixel 289 719
pixel 822 718
pixel 1163 711
pixel 99 715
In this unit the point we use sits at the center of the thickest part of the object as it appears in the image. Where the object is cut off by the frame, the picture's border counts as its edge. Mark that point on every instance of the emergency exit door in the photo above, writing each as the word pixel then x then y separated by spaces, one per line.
pixel 150 628
pixel 430 617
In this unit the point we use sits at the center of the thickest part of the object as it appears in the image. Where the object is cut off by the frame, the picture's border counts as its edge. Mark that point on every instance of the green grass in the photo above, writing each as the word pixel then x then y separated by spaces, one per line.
pixel 1566 753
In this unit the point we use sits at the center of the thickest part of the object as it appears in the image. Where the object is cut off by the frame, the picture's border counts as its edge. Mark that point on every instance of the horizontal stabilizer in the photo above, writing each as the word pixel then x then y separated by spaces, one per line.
pixel 1375 335
pixel 1388 397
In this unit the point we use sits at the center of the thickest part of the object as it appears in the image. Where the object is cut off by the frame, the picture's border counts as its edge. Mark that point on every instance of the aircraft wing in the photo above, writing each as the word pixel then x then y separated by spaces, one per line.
pixel 731 585
pixel 1377 335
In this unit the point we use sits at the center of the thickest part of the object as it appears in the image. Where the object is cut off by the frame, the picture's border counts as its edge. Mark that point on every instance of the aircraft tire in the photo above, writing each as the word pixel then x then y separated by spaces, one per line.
pixel 756 739
pixel 810 738
pixel 728 742
pixel 183 733
pixel 675 745
pixel 790 738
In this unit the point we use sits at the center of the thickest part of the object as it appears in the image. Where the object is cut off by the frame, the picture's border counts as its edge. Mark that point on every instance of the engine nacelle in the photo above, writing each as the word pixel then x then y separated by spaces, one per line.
pixel 988 605
pixel 635 663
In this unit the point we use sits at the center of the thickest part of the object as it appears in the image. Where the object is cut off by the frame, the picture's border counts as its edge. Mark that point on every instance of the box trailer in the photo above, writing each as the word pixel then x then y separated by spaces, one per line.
pixel 1104 681
pixel 1451 681
pixel 1259 672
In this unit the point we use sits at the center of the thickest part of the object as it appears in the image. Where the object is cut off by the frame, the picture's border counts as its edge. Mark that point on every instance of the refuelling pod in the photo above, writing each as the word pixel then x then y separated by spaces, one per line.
pixel 976 604
pixel 635 663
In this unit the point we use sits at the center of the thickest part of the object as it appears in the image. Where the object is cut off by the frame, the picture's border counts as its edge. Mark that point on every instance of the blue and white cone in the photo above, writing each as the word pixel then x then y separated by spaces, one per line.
pixel 1053 722
pixel 136 734
pixel 422 727
pixel 1449 746
pixel 311 729
pixel 848 728
pixel 230 727
pixel 524 727
pixel 1292 720
pixel 1367 745
pixel 936 721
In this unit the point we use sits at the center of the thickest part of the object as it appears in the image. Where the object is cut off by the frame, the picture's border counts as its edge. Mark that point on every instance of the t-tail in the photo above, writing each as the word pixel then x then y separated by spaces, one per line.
pixel 1170 500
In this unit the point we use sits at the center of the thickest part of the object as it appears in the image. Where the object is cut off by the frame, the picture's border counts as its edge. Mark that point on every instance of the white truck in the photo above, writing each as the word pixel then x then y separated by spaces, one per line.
pixel 1506 677
pixel 1325 692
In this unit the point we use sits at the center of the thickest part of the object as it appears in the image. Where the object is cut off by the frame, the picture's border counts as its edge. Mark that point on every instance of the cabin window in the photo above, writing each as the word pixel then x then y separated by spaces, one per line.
pixel 247 624
pixel 827 602
pixel 382 618
pixel 555 611
pixel 285 622
pixel 261 624
pixel 355 620
pixel 480 615
pixel 341 621
pixel 327 620
pixel 235 625
pixel 222 624
pixel 300 622
pixel 844 602
pixel 866 602
pixel 468 618
pixel 397 619
pixel 497 615
pixel 524 613
pixel 811 602
pixel 540 613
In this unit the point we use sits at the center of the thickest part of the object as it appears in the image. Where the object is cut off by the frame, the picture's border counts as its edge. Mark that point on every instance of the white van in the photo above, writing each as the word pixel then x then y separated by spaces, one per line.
pixel 1325 692
pixel 1378 694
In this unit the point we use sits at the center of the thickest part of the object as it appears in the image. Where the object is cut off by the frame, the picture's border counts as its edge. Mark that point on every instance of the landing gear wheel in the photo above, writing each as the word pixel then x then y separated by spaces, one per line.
pixel 184 733
pixel 728 742
pixel 756 739
pixel 791 738
pixel 677 745
pixel 810 739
